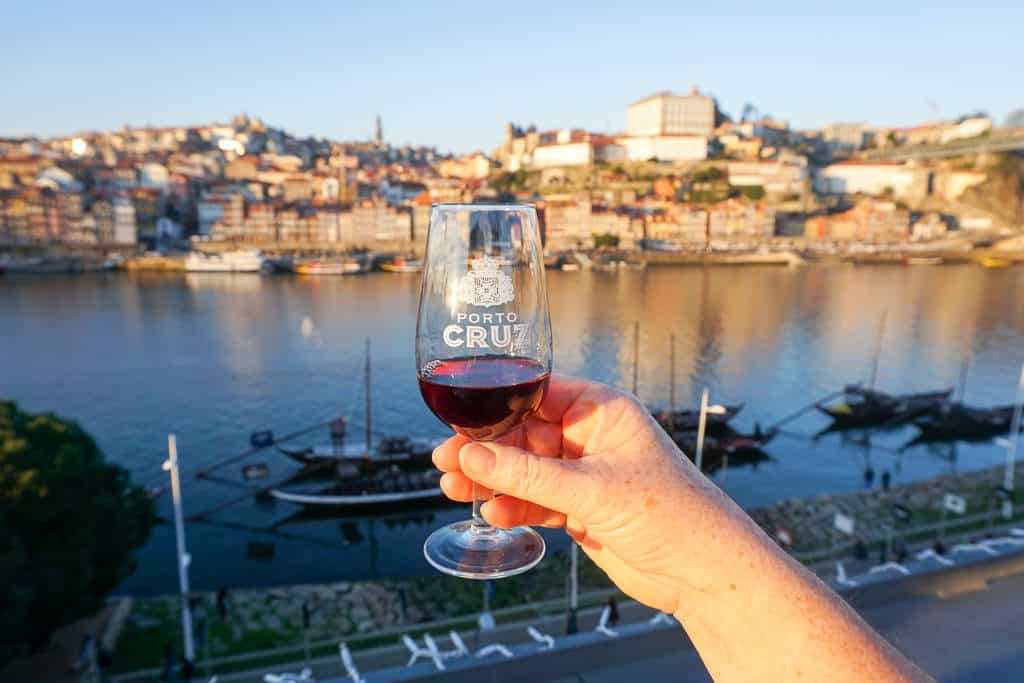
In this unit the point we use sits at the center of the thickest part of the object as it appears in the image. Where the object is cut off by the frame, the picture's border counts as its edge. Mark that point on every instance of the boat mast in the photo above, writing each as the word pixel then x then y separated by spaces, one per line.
pixel 964 365
pixel 878 350
pixel 369 413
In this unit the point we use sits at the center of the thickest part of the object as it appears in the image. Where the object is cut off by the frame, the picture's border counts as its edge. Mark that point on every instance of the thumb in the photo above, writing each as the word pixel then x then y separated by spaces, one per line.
pixel 549 482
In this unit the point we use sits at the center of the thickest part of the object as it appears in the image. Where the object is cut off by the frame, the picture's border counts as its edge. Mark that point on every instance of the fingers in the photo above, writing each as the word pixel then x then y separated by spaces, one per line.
pixel 507 512
pixel 552 483
pixel 446 456
pixel 562 393
pixel 459 487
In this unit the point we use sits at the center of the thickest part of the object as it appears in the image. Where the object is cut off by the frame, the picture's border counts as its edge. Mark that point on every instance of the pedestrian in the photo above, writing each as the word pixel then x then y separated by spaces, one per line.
pixel 222 603
pixel 886 479
pixel 869 476
pixel 199 613
pixel 169 664
pixel 613 611
pixel 104 660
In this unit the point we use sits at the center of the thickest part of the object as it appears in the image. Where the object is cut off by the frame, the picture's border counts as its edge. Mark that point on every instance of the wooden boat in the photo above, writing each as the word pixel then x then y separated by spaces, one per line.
pixel 958 421
pixel 923 261
pixel 402 451
pixel 871 408
pixel 686 420
pixel 328 267
pixel 383 489
pixel 994 262
pixel 400 265
pixel 741 449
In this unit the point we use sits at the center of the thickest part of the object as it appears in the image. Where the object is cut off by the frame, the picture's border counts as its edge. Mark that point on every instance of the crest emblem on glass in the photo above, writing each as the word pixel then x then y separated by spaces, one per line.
pixel 483 357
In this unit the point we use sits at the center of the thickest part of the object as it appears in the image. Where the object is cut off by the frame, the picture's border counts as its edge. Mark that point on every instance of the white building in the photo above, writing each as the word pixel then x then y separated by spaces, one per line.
pixel 125 231
pixel 664 147
pixel 569 154
pixel 968 128
pixel 667 114
pixel 776 176
pixel 871 178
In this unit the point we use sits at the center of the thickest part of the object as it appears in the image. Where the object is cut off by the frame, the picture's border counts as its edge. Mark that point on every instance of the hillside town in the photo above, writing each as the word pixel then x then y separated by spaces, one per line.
pixel 683 175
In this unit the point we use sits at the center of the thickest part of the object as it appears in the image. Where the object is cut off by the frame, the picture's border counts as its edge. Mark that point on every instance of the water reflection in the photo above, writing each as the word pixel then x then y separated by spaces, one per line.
pixel 215 356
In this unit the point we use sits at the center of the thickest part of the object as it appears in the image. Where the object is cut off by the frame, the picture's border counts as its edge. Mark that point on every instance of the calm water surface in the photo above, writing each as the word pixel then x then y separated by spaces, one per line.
pixel 213 357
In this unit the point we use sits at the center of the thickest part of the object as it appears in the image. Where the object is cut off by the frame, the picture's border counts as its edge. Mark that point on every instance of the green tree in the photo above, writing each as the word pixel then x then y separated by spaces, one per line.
pixel 755 192
pixel 69 526
pixel 606 240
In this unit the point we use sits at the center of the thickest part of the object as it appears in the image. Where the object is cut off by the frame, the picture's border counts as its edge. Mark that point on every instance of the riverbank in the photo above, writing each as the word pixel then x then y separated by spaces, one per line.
pixel 309 616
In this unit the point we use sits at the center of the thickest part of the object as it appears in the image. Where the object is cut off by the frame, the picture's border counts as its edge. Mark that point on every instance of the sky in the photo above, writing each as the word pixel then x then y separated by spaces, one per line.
pixel 451 74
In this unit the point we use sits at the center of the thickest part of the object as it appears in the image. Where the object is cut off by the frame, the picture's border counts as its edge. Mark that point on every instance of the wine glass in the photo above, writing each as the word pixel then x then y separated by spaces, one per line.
pixel 483 354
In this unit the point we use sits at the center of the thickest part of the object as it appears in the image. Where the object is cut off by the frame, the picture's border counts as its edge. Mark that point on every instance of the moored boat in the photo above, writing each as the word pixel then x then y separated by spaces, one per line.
pixel 401 265
pixel 403 451
pixel 382 489
pixel 240 261
pixel 688 419
pixel 958 421
pixel 871 408
pixel 995 262
pixel 328 267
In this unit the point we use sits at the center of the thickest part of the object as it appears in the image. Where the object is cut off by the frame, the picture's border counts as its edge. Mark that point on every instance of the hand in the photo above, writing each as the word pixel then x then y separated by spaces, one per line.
pixel 593 460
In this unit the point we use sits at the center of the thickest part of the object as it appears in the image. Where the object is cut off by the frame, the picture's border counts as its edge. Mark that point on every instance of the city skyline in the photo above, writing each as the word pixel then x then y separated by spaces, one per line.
pixel 444 80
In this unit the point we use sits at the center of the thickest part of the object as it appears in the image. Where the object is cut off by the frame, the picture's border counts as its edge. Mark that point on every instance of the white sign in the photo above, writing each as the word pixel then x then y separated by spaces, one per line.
pixel 954 503
pixel 843 523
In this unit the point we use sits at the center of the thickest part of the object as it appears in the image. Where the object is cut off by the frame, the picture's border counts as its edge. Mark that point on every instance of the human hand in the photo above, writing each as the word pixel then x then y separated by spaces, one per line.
pixel 591 459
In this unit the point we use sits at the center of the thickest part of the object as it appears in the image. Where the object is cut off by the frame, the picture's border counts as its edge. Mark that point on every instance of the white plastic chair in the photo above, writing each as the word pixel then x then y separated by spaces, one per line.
pixel 546 641
pixel 349 664
pixel 841 578
pixel 930 554
pixel 659 618
pixel 602 624
pixel 1002 540
pixel 972 547
pixel 304 676
pixel 460 647
pixel 414 649
pixel 893 566
pixel 435 651
pixel 494 648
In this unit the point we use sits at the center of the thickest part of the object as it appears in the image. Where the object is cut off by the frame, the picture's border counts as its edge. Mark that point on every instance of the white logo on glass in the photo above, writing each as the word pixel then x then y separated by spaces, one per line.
pixel 486 284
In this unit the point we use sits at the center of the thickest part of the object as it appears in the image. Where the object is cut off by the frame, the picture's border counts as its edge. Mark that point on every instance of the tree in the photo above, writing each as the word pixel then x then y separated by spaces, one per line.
pixel 69 526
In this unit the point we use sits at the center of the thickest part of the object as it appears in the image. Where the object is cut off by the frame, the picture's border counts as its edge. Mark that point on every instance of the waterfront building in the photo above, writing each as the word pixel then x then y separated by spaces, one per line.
pixel 870 220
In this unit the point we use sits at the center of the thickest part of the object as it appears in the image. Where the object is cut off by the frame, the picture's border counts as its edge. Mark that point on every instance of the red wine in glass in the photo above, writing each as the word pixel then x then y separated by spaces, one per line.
pixel 483 397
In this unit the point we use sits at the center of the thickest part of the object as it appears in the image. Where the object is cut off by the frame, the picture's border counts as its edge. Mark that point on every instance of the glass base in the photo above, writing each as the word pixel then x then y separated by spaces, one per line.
pixel 470 552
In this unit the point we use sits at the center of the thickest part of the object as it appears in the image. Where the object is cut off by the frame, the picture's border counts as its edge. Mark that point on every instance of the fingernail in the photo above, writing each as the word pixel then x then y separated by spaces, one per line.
pixel 476 459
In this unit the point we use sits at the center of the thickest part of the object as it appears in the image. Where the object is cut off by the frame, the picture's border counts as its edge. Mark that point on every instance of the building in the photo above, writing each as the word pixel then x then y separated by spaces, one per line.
pixel 778 177
pixel 844 137
pixel 875 178
pixel 667 114
pixel 474 165
pixel 871 220
pixel 670 147
pixel 966 128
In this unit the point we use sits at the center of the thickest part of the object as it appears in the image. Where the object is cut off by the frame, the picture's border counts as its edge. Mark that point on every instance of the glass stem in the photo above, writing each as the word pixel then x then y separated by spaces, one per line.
pixel 479 525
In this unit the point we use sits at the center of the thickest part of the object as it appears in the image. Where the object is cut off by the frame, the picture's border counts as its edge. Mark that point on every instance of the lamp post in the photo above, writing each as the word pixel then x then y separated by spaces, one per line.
pixel 184 559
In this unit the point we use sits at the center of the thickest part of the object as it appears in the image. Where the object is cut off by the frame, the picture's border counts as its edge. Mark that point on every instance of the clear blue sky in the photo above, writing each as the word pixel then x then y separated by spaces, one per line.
pixel 451 74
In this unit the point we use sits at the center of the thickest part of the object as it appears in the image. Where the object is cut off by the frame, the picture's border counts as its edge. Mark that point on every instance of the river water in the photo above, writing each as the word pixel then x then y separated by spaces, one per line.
pixel 213 357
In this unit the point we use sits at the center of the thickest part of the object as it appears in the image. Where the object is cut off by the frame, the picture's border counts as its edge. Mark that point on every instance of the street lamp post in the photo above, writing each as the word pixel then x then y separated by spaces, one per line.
pixel 184 559
pixel 1011 448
